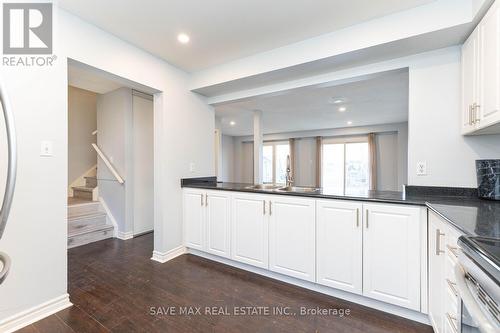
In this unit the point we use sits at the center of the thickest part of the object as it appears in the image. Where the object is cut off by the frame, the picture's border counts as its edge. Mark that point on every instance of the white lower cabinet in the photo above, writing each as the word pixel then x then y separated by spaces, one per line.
pixel 292 236
pixel 436 273
pixel 207 221
pixel 194 217
pixel 370 249
pixel 250 229
pixel 218 223
pixel 444 303
pixel 391 254
pixel 339 249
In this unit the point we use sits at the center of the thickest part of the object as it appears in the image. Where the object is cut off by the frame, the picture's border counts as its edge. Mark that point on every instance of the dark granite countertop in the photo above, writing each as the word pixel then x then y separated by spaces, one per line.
pixel 471 215
pixel 376 196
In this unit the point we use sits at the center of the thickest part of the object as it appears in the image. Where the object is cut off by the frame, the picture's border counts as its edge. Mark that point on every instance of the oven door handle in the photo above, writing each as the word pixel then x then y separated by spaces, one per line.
pixel 473 308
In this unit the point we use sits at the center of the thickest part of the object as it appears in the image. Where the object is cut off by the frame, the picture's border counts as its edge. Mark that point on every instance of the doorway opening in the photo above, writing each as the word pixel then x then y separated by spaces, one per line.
pixel 110 156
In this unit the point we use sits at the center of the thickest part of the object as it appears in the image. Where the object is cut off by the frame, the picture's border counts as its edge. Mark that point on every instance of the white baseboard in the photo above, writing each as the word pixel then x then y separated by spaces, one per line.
pixel 358 299
pixel 124 235
pixel 163 257
pixel 34 314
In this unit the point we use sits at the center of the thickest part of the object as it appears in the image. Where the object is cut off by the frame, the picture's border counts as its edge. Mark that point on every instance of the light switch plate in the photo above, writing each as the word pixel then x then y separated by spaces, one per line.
pixel 421 168
pixel 46 149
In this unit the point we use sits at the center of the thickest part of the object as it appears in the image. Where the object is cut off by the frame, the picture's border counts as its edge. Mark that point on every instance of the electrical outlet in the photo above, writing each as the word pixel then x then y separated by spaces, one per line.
pixel 46 149
pixel 191 167
pixel 421 168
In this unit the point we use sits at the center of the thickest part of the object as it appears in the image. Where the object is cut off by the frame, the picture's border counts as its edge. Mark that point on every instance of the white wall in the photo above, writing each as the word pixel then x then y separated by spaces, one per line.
pixel 114 126
pixel 392 153
pixel 434 124
pixel 434 116
pixel 38 218
pixel 227 158
pixel 143 169
pixel 82 121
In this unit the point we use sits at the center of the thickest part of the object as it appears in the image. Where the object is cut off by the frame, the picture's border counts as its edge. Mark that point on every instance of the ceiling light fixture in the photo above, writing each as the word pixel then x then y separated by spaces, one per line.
pixel 232 123
pixel 349 122
pixel 183 38
pixel 342 109
pixel 337 100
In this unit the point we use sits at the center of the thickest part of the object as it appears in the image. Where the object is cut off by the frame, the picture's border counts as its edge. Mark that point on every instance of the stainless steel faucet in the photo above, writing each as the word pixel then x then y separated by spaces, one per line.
pixel 289 178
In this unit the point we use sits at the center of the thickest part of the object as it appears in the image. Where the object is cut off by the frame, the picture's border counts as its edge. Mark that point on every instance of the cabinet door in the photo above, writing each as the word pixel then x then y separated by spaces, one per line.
pixel 194 219
pixel 292 237
pixel 391 254
pixel 218 223
pixel 469 81
pixel 489 63
pixel 339 257
pixel 250 229
pixel 436 273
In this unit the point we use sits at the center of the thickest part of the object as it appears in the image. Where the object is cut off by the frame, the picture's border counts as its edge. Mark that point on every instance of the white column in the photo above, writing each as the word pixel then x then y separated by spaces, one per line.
pixel 258 141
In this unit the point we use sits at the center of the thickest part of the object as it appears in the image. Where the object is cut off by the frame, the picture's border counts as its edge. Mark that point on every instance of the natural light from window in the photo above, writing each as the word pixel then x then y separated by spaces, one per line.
pixel 345 168
pixel 274 162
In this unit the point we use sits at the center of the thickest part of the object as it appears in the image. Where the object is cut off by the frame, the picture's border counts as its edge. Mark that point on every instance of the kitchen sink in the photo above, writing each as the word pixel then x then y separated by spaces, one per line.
pixel 298 189
pixel 263 187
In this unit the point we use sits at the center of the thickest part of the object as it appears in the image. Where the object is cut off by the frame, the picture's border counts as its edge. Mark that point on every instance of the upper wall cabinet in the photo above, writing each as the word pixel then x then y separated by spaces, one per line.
pixel 481 76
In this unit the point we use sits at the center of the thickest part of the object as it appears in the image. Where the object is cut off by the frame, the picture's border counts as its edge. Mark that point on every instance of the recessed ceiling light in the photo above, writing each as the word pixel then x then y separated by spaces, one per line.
pixel 183 38
pixel 232 123
pixel 337 100
pixel 342 109
pixel 349 122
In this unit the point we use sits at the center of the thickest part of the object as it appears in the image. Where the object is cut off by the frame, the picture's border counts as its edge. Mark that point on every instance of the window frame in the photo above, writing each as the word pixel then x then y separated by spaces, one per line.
pixel 344 140
pixel 273 144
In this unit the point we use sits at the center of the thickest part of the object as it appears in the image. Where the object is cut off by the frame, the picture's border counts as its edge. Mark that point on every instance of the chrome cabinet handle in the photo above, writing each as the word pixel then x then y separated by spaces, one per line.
pixel 453 322
pixel 453 250
pixel 12 159
pixel 264 207
pixel 270 208
pixel 357 217
pixel 470 114
pixel 477 119
pixel 5 260
pixel 452 287
pixel 438 242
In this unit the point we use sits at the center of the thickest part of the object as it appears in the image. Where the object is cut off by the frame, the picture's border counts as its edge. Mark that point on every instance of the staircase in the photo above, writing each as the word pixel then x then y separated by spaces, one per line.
pixel 87 220
pixel 87 191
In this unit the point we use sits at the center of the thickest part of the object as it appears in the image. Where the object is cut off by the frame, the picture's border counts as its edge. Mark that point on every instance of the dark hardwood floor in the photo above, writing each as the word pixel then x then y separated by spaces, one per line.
pixel 113 285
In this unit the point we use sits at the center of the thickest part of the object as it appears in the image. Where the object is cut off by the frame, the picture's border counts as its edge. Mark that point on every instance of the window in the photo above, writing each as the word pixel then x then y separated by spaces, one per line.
pixel 274 162
pixel 345 168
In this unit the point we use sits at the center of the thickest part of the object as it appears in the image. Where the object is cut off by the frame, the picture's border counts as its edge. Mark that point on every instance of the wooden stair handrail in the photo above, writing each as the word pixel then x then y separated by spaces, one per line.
pixel 108 164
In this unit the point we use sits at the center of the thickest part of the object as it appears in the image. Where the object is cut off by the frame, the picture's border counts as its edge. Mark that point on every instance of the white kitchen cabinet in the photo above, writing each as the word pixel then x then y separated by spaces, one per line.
pixel 207 221
pixel 194 217
pixel 391 254
pixel 489 69
pixel 250 229
pixel 436 273
pixel 470 81
pixel 339 245
pixel 292 236
pixel 481 76
pixel 218 223
pixel 444 301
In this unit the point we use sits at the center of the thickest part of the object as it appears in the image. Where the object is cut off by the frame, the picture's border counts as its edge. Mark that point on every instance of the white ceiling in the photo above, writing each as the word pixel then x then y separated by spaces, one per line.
pixel 377 99
pixel 85 79
pixel 225 30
